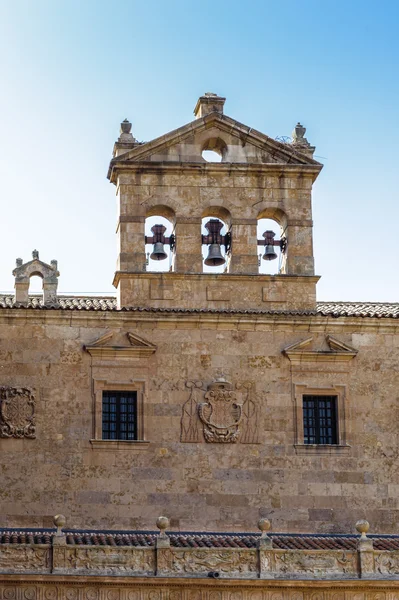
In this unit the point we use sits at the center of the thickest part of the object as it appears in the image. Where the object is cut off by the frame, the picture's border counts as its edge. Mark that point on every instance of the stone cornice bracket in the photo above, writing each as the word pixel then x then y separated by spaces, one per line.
pixel 138 347
pixel 24 271
pixel 338 352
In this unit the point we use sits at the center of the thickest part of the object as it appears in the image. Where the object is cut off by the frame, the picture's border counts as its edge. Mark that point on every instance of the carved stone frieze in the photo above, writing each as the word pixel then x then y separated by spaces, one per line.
pixel 318 563
pixel 228 562
pixel 17 412
pixel 21 558
pixel 104 559
pixel 141 589
pixel 387 563
pixel 221 413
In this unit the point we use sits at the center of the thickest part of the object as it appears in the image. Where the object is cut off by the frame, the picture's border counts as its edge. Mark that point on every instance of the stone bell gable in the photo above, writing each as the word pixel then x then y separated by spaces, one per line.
pixel 257 177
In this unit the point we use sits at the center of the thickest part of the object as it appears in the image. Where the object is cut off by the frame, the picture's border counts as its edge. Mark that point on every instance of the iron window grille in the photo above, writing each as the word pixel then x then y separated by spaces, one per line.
pixel 119 415
pixel 320 420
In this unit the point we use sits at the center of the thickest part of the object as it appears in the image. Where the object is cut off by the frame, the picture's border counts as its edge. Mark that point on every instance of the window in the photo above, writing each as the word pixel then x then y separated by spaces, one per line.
pixel 320 420
pixel 119 415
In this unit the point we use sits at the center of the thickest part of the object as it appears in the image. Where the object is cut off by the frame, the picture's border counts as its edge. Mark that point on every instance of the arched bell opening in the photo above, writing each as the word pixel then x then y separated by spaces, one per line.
pixel 272 247
pixel 36 283
pixel 214 150
pixel 216 240
pixel 160 241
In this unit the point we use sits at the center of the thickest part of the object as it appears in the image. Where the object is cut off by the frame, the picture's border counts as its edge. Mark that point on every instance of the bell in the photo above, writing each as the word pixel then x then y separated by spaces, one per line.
pixel 214 258
pixel 158 252
pixel 269 253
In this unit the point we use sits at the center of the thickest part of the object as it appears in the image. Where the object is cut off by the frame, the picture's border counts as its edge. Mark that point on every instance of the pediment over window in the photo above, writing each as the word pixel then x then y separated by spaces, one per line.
pixel 334 351
pixel 120 345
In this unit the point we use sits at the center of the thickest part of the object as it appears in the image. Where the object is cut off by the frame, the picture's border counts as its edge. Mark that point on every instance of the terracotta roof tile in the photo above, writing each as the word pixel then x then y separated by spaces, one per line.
pixel 283 541
pixel 108 303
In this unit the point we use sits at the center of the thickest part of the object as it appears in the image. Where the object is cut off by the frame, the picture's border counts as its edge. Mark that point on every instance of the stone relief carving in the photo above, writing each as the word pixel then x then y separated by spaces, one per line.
pixel 23 558
pixel 203 561
pixel 105 559
pixel 221 413
pixel 387 563
pixel 17 412
pixel 315 563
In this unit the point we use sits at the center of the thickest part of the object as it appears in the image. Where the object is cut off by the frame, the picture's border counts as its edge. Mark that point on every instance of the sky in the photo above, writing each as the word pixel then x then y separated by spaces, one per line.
pixel 72 70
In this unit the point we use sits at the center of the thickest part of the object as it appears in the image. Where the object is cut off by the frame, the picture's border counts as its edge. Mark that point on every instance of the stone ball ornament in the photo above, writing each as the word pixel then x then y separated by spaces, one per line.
pixel 60 522
pixel 163 524
pixel 264 526
pixel 362 527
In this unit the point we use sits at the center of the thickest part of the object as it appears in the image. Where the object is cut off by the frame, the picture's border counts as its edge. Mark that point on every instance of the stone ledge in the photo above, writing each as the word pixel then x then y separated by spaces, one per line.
pixel 332 449
pixel 111 445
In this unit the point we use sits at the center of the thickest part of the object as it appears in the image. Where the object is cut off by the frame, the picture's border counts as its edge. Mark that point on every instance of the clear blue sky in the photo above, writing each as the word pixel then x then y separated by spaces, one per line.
pixel 72 70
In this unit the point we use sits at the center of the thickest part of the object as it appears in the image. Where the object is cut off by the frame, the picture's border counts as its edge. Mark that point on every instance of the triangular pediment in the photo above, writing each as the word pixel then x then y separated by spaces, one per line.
pixel 237 142
pixel 120 345
pixel 335 351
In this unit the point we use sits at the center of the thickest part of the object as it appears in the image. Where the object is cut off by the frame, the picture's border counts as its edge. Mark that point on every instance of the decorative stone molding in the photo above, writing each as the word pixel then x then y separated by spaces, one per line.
pixel 17 413
pixel 24 271
pixel 138 347
pixel 338 352
pixel 220 413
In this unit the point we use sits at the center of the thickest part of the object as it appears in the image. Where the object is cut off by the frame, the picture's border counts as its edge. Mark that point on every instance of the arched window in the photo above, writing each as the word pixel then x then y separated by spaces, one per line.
pixel 159 233
pixel 271 246
pixel 36 284
pixel 214 150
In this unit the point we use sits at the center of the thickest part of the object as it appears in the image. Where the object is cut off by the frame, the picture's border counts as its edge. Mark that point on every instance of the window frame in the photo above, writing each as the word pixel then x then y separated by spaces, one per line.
pixel 316 414
pixel 125 413
pixel 99 386
pixel 340 392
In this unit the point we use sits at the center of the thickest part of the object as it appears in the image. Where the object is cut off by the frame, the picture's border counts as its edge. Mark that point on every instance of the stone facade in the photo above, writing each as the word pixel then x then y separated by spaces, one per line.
pixel 220 364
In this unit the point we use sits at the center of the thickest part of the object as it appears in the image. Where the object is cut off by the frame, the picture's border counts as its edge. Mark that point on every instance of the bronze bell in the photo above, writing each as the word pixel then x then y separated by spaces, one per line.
pixel 158 252
pixel 269 245
pixel 269 253
pixel 215 257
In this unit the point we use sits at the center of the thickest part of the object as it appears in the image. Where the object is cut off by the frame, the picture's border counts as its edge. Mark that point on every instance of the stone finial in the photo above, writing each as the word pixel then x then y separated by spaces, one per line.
pixel 35 254
pixel 126 126
pixel 207 104
pixel 362 527
pixel 59 539
pixel 163 524
pixel 60 522
pixel 364 542
pixel 264 526
pixel 126 136
pixel 18 262
pixel 298 135
pixel 299 140
pixel 162 540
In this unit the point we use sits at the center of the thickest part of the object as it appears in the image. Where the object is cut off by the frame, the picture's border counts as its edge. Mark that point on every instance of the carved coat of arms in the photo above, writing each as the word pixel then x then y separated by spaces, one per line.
pixel 223 414
pixel 17 410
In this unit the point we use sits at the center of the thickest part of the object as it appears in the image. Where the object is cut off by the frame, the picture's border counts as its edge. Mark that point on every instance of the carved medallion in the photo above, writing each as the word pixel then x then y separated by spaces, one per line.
pixel 17 412
pixel 220 413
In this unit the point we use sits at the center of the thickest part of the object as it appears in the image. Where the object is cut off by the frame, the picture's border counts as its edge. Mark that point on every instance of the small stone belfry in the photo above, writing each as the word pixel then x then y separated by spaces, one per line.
pixel 257 178
pixel 24 271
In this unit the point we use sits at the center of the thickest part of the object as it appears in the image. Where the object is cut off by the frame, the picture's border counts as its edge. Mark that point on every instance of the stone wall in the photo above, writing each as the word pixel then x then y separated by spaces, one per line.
pixel 263 470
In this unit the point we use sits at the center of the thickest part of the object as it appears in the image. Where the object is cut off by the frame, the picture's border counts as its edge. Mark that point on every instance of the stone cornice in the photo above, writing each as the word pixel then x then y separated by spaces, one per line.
pixel 251 322
pixel 278 169
pixel 212 277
